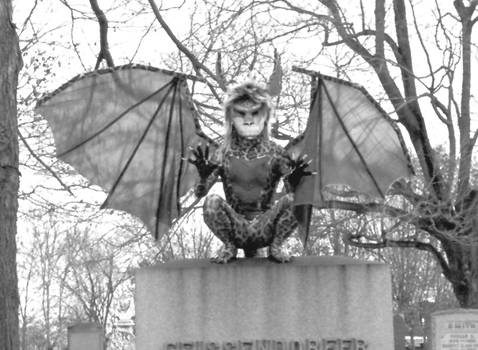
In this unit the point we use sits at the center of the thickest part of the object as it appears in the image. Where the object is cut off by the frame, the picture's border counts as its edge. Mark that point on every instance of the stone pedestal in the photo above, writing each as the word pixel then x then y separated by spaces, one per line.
pixel 317 303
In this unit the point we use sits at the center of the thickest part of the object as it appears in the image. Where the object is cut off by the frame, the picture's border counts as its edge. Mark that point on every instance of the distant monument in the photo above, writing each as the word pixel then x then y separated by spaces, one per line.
pixel 400 330
pixel 455 329
pixel 86 336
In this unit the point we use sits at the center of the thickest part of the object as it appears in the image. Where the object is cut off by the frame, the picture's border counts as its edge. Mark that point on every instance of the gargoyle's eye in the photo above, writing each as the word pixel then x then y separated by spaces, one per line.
pixel 241 113
pixel 255 113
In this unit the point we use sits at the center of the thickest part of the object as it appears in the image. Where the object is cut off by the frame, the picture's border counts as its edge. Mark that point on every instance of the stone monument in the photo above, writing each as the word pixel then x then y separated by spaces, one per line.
pixel 85 336
pixel 455 329
pixel 314 303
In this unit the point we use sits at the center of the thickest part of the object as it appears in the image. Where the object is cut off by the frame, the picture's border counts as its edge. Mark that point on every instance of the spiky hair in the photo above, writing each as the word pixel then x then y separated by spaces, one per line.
pixel 248 90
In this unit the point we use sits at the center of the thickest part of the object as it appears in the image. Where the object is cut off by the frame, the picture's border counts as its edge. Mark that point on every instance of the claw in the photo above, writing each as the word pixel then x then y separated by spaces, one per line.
pixel 278 256
pixel 227 254
pixel 280 259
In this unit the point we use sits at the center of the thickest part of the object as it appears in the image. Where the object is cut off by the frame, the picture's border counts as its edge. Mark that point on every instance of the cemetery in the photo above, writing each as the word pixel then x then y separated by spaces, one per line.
pixel 238 175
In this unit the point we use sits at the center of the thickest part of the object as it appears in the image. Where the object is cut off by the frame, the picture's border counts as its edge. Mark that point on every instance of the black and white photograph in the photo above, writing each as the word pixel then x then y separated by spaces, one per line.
pixel 238 175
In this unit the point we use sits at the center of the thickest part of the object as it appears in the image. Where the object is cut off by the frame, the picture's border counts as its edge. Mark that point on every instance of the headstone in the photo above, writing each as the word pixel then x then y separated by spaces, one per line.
pixel 316 303
pixel 85 336
pixel 400 330
pixel 455 329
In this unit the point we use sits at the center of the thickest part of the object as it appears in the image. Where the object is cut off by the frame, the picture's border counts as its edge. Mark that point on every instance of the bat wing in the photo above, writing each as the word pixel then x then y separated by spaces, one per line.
pixel 127 129
pixel 351 141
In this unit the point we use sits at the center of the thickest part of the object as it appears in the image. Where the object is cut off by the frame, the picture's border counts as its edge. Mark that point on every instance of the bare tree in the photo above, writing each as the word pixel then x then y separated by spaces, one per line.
pixel 446 206
pixel 99 266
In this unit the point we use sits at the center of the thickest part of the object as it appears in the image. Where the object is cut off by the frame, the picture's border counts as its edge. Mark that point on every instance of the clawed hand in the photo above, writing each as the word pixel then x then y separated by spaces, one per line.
pixel 299 166
pixel 202 162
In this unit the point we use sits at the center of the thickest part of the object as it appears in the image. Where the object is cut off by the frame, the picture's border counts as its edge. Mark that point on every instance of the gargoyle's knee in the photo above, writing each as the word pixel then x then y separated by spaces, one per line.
pixel 215 216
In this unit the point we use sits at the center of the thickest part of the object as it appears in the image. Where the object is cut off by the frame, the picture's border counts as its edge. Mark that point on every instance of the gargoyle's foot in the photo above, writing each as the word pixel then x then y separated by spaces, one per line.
pixel 225 255
pixel 277 255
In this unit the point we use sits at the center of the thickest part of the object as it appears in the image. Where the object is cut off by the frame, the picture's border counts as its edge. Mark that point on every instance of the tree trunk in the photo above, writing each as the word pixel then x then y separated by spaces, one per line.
pixel 467 295
pixel 463 265
pixel 9 178
pixel 466 292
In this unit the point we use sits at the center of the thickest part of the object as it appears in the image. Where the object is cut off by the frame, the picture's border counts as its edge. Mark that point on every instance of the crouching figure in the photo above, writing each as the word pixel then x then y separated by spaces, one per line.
pixel 250 166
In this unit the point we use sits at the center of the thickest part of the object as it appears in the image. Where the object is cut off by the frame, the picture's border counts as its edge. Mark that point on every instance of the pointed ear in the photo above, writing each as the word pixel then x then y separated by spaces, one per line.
pixel 275 80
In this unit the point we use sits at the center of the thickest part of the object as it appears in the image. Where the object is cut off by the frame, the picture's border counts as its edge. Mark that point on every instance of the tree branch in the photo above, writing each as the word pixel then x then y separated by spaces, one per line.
pixel 28 18
pixel 390 243
pixel 197 65
pixel 370 32
pixel 380 29
pixel 50 170
pixel 405 57
pixel 104 49
pixel 363 208
pixel 439 107
pixel 466 148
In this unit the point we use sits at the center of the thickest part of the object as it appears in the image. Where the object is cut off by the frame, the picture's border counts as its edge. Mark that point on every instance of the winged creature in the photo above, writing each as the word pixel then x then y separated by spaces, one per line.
pixel 250 166
pixel 134 131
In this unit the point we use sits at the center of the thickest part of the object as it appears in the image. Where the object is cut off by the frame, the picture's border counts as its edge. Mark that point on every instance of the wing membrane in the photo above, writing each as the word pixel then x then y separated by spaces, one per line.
pixel 127 130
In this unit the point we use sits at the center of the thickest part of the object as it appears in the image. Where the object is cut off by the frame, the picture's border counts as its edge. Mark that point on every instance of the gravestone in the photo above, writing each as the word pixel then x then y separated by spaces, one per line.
pixel 316 303
pixel 85 336
pixel 400 330
pixel 455 329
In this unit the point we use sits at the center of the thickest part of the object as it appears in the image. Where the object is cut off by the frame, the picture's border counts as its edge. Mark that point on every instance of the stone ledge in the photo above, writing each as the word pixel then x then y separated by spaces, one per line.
pixel 264 262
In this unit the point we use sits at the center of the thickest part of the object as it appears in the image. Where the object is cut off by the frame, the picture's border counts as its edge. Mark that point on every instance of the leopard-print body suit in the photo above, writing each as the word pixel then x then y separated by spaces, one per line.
pixel 248 219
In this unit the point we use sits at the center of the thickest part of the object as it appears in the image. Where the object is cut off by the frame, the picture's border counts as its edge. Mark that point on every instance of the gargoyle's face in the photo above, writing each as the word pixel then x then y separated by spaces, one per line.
pixel 249 118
